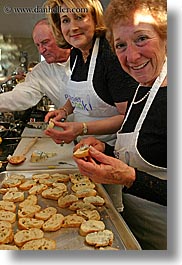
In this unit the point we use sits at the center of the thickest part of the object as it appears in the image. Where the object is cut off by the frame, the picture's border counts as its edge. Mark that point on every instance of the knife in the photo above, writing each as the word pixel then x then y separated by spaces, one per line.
pixel 42 125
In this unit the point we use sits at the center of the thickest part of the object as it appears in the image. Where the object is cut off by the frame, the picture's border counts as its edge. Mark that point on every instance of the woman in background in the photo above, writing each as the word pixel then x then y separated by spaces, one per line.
pixel 98 89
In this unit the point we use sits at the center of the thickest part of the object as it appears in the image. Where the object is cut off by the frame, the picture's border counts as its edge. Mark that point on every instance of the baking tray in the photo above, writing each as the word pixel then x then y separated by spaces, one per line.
pixel 69 238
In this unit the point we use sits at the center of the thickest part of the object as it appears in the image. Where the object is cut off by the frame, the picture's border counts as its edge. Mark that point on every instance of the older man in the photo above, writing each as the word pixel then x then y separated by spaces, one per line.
pixel 47 77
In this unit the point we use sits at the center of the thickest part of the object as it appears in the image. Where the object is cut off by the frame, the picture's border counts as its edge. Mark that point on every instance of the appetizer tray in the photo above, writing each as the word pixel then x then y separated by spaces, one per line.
pixel 69 238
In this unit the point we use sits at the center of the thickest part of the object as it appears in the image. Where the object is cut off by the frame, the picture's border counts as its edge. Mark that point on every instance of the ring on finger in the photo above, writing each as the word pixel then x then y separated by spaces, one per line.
pixel 62 143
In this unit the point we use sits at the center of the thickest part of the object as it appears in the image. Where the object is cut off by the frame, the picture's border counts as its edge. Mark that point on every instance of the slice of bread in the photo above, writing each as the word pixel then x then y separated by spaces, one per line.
pixel 8 247
pixel 82 186
pixel 16 160
pixel 77 177
pixel 7 216
pixel 46 213
pixel 89 214
pixel 72 220
pixel 100 239
pixel 27 223
pixel 4 190
pixel 82 152
pixel 52 193
pixel 27 184
pixel 60 186
pixel 37 189
pixel 40 244
pixel 54 223
pixel 85 193
pixel 23 236
pixel 30 200
pixel 11 182
pixel 58 177
pixel 81 205
pixel 48 182
pixel 95 200
pixel 91 226
pixel 14 196
pixel 8 206
pixel 66 200
pixel 50 124
pixel 28 211
pixel 5 224
pixel 17 176
pixel 6 235
pixel 41 176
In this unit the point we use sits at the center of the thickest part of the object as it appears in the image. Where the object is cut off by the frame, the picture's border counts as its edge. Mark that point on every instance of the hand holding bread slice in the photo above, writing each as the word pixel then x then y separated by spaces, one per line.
pixel 82 152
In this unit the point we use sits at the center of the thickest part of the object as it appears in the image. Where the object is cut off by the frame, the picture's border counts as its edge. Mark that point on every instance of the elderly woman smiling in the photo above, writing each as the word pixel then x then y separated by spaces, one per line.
pixel 137 31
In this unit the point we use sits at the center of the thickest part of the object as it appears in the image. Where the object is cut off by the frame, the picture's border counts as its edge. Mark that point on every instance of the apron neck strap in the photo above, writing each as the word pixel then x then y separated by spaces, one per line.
pixel 159 80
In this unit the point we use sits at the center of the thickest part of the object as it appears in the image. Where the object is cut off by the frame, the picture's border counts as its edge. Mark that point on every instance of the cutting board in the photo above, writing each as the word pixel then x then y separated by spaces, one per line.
pixel 31 132
pixel 34 132
pixel 63 154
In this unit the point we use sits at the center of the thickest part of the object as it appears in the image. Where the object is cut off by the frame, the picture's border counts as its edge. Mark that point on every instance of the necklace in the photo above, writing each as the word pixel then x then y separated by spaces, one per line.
pixel 85 55
pixel 140 100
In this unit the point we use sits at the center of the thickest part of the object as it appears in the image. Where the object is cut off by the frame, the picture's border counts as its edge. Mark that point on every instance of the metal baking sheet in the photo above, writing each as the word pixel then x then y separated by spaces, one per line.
pixel 69 238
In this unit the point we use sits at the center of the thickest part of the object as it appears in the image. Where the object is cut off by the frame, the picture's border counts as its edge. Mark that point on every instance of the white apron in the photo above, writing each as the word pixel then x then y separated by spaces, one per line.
pixel 87 104
pixel 147 220
pixel 126 143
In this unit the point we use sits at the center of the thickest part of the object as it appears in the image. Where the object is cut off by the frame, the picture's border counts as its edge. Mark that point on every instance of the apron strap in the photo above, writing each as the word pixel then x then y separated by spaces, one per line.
pixel 151 96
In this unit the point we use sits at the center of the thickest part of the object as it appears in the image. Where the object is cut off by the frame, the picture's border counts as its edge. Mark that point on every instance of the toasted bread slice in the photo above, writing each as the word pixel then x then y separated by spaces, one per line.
pixel 27 223
pixel 82 186
pixel 95 200
pixel 50 124
pixel 14 196
pixel 29 211
pixel 89 214
pixel 46 213
pixel 58 177
pixel 30 200
pixel 77 177
pixel 73 220
pixel 54 223
pixel 23 236
pixel 41 176
pixel 40 244
pixel 37 189
pixel 11 182
pixel 91 226
pixel 6 224
pixel 27 184
pixel 52 193
pixel 81 205
pixel 8 247
pixel 85 193
pixel 6 235
pixel 7 216
pixel 8 206
pixel 66 200
pixel 82 152
pixel 100 238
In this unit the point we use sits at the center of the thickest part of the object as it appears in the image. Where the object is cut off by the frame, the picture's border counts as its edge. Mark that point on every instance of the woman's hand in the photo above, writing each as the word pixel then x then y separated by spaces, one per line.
pixel 56 115
pixel 70 130
pixel 91 141
pixel 105 169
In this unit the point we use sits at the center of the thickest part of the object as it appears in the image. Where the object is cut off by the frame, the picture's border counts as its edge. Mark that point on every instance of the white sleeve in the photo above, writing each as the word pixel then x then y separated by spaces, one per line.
pixel 45 79
pixel 23 96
